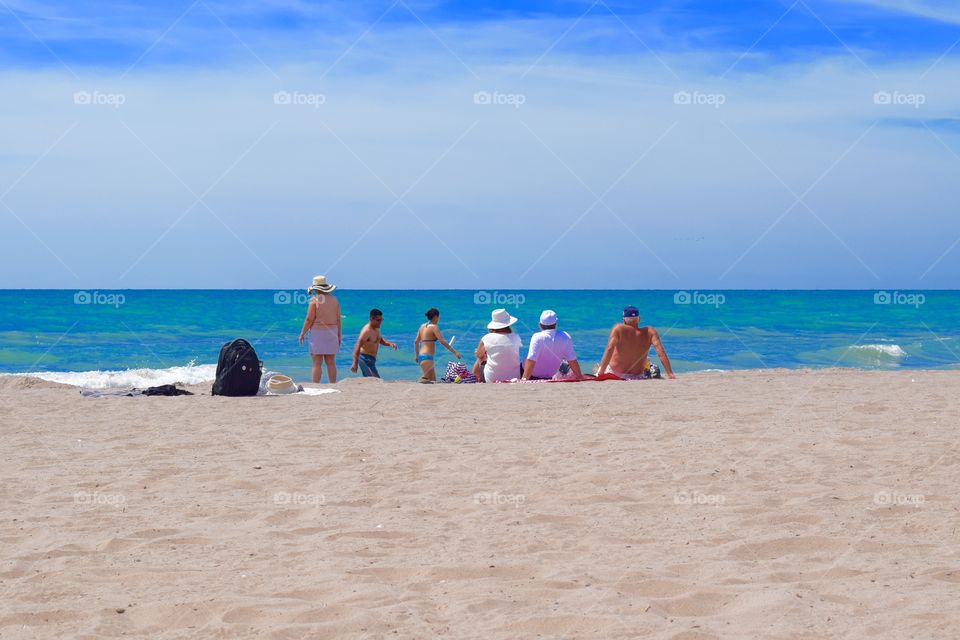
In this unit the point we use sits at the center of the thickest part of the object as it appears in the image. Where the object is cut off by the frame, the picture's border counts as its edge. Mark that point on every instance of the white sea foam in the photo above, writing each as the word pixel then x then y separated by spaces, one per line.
pixel 892 350
pixel 140 378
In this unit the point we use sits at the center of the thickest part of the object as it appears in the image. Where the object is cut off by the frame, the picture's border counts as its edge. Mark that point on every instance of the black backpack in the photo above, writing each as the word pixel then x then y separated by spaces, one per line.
pixel 238 370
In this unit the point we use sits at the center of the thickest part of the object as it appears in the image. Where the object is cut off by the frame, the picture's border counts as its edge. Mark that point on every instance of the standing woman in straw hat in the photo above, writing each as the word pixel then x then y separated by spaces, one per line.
pixel 325 327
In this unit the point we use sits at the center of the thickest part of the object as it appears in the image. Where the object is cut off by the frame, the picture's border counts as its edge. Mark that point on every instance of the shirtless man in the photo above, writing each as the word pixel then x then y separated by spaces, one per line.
pixel 626 355
pixel 365 353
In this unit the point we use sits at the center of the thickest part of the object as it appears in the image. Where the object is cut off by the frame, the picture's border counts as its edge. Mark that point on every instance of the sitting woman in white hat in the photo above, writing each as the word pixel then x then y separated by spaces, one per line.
pixel 498 354
pixel 324 324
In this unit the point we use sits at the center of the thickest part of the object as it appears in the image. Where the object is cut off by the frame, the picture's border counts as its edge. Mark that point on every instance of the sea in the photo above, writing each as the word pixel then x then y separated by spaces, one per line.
pixel 119 338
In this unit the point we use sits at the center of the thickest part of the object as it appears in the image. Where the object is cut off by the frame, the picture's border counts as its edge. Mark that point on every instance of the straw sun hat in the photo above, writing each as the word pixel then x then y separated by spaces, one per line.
pixel 281 384
pixel 320 284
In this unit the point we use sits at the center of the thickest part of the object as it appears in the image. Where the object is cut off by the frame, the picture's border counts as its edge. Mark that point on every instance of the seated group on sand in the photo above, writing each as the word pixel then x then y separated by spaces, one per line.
pixel 550 355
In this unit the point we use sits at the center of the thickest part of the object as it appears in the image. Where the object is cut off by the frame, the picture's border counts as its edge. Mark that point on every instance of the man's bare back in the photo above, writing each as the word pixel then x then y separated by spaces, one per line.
pixel 628 349
pixel 632 348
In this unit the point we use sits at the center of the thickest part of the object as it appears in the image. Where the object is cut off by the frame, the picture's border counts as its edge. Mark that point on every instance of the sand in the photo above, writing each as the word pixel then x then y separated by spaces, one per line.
pixel 764 504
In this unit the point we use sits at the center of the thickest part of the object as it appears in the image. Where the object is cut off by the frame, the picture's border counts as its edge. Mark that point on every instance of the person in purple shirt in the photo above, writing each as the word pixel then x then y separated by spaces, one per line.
pixel 551 351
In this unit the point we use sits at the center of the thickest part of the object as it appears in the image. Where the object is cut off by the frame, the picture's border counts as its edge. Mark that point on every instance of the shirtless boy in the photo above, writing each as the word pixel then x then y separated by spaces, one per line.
pixel 365 353
pixel 628 349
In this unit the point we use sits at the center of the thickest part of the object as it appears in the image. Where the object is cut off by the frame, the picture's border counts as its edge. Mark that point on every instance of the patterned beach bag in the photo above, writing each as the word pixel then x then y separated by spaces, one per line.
pixel 457 372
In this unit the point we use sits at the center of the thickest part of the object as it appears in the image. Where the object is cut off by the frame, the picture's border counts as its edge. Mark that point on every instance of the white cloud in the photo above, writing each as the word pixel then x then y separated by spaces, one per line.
pixel 301 203
pixel 943 10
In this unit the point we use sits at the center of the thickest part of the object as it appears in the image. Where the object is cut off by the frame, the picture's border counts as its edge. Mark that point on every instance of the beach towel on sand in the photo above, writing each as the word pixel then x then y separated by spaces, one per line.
pixel 652 372
pixel 162 390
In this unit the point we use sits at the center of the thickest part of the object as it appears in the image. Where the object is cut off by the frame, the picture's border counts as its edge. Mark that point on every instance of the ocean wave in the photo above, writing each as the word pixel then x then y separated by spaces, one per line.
pixel 892 350
pixel 140 378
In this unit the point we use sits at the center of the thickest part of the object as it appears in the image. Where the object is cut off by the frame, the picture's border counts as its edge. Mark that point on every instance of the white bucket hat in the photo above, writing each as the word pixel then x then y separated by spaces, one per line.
pixel 548 317
pixel 500 319
pixel 320 284
pixel 281 384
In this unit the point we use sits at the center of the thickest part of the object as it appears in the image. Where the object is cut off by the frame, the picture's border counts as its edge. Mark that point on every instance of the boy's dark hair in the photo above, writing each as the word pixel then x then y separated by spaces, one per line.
pixel 375 313
pixel 432 313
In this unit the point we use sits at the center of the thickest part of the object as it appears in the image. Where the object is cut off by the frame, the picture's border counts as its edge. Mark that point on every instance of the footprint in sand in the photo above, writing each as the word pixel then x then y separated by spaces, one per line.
pixel 150 534
pixel 952 575
pixel 693 635
pixel 653 588
pixel 785 547
pixel 453 574
pixel 310 595
pixel 389 574
pixel 39 618
pixel 323 614
pixel 388 535
pixel 700 603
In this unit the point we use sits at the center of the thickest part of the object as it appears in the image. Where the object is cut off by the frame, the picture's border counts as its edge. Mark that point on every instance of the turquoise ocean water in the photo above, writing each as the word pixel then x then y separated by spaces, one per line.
pixel 176 334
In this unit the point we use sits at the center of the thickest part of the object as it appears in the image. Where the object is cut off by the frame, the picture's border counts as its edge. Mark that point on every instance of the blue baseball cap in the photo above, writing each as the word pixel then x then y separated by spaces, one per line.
pixel 631 312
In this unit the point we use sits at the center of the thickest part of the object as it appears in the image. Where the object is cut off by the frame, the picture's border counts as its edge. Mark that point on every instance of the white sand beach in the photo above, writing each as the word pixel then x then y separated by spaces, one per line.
pixel 762 504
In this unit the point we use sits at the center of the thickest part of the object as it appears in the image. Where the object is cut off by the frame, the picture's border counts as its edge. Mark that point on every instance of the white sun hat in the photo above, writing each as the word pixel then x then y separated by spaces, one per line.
pixel 281 384
pixel 500 319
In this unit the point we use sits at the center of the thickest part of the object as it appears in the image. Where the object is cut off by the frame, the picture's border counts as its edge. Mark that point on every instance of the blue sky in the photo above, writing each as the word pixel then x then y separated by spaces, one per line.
pixel 111 34
pixel 417 144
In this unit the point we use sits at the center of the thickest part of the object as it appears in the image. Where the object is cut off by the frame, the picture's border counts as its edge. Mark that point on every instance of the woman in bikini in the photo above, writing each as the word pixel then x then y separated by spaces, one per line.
pixel 324 323
pixel 426 345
